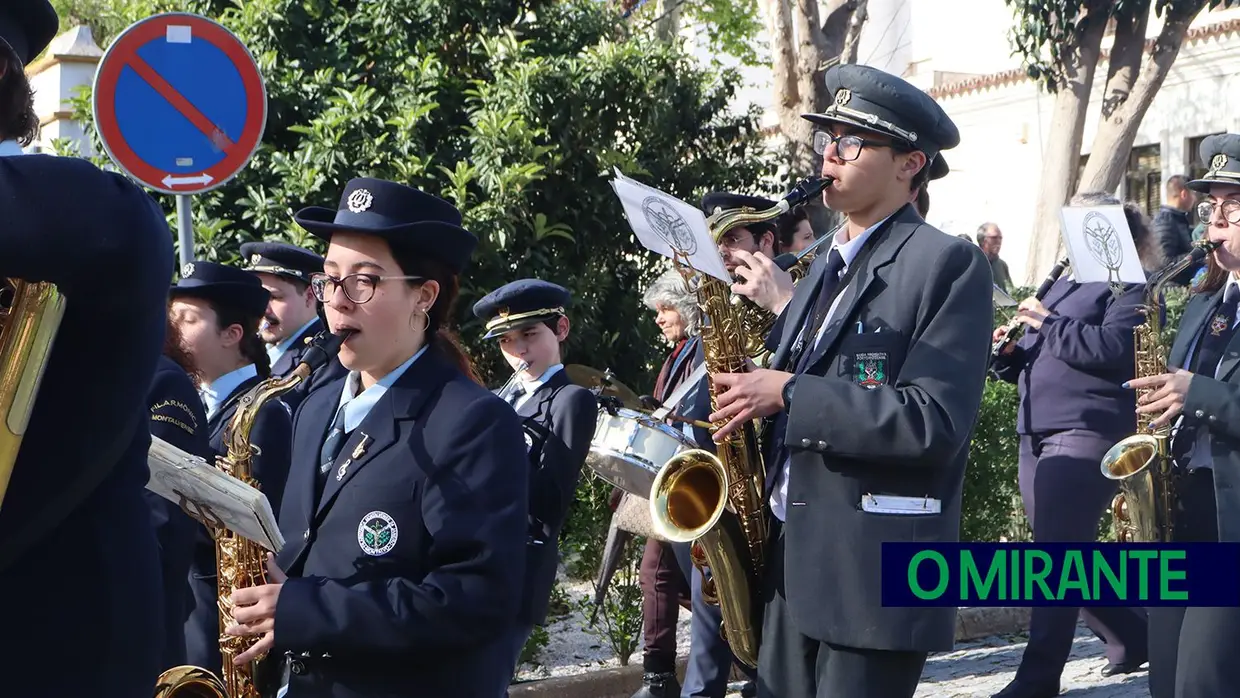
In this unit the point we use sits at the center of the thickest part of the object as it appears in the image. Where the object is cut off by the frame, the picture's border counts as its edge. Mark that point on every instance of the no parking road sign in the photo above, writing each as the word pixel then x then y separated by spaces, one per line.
pixel 179 103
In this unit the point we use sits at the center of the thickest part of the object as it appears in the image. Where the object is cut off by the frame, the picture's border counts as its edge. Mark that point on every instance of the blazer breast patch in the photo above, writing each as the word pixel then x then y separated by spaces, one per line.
pixel 377 533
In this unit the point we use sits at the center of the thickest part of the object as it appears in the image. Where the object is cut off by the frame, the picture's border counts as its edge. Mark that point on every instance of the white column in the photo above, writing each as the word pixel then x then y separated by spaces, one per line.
pixel 68 64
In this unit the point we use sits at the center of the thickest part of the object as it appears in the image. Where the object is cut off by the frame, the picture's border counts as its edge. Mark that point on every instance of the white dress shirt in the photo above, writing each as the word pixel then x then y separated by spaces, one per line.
pixel 356 406
pixel 217 391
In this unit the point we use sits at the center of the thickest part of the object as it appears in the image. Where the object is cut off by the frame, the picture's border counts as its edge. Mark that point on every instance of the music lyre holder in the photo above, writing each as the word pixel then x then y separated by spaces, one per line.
pixel 201 513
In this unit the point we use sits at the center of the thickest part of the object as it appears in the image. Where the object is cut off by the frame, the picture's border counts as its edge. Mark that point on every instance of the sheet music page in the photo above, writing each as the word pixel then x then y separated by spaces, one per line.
pixel 668 226
pixel 1100 245
pixel 241 508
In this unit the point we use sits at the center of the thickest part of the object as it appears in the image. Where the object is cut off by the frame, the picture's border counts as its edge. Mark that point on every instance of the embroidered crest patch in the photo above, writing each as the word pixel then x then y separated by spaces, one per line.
pixel 377 533
pixel 870 369
pixel 1219 324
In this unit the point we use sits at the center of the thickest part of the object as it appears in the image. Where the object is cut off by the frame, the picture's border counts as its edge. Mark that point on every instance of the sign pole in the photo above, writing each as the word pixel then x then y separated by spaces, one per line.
pixel 185 228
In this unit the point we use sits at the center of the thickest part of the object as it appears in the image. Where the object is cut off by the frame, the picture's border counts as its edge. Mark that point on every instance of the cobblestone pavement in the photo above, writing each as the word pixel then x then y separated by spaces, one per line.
pixel 981 668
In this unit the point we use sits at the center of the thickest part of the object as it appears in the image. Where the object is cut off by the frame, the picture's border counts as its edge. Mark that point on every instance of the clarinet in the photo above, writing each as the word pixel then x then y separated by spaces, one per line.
pixel 1010 335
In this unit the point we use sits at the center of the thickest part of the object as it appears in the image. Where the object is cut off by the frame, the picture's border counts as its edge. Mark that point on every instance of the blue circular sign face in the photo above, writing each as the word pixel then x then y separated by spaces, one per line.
pixel 179 103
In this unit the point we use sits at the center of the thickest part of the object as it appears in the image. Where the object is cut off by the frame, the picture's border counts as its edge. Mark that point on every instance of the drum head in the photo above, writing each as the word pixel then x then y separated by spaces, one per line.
pixel 629 474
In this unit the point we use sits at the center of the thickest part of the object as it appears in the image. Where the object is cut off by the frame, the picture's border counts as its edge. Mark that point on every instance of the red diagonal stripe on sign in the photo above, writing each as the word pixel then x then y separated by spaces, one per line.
pixel 180 103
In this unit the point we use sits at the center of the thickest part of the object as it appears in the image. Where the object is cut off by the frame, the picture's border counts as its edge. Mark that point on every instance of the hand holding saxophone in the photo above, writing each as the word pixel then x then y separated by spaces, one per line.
pixel 254 609
pixel 762 281
pixel 1163 395
pixel 740 397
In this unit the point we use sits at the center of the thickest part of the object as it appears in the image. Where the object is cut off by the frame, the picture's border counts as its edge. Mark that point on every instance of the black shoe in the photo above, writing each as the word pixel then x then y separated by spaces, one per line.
pixel 1121 668
pixel 1017 689
pixel 663 685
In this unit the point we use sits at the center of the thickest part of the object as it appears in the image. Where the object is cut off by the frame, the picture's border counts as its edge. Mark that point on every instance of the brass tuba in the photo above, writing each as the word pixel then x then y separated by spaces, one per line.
pixel 1144 509
pixel 716 500
pixel 239 562
pixel 30 315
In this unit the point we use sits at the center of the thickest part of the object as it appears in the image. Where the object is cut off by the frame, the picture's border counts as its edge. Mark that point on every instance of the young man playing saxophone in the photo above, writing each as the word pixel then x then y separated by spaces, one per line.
pixel 874 390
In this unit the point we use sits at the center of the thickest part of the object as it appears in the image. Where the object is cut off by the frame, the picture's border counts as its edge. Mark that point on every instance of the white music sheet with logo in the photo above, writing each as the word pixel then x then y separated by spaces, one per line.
pixel 1100 245
pixel 668 226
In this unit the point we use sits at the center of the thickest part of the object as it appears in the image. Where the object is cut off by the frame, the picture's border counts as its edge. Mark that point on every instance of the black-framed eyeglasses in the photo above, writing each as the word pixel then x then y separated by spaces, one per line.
pixel 358 288
pixel 848 147
pixel 1231 210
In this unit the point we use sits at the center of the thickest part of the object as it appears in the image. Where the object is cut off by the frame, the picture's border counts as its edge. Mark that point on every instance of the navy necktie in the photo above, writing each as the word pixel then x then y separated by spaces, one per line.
pixel 331 447
pixel 828 289
pixel 515 394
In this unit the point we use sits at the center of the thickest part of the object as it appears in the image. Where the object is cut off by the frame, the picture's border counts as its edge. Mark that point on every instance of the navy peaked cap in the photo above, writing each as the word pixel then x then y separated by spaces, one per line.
pixel 399 214
pixel 726 200
pixel 1221 153
pixel 519 304
pixel 28 26
pixel 879 101
pixel 281 259
pixel 220 283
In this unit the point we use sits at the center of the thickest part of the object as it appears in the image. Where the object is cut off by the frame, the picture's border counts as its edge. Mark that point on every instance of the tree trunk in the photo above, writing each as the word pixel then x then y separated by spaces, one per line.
pixel 1063 148
pixel 853 40
pixel 1117 130
pixel 667 26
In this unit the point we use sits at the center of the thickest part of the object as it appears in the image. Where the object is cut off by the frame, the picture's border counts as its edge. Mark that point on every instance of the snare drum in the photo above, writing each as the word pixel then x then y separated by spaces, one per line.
pixel 629 449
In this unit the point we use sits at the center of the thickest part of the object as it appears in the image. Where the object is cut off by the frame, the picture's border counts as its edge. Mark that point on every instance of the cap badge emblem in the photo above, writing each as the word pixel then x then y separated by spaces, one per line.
pixel 359 200
pixel 842 96
pixel 256 258
pixel 1219 162
pixel 504 312
pixel 187 270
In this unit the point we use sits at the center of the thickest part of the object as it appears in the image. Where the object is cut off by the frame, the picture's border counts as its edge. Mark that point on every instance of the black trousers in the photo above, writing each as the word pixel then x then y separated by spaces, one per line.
pixel 791 665
pixel 1193 650
pixel 1065 495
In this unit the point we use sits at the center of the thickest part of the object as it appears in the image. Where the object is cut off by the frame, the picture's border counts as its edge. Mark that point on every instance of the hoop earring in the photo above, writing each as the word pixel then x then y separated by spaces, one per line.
pixel 426 320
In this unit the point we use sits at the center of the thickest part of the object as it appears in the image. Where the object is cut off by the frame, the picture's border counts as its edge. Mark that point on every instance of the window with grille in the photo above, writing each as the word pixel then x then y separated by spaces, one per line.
pixel 1143 181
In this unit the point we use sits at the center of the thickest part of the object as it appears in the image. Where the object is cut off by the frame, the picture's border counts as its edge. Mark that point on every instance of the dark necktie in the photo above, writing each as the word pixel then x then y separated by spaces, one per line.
pixel 515 394
pixel 1190 445
pixel 828 289
pixel 332 445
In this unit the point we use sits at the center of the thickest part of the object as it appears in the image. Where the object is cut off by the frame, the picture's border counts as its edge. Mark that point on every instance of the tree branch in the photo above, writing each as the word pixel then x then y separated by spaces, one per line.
pixel 1125 62
pixel 853 37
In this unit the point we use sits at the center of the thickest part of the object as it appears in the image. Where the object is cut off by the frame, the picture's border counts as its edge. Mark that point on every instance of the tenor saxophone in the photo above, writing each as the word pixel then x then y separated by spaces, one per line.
pixel 240 562
pixel 1143 511
pixel 716 500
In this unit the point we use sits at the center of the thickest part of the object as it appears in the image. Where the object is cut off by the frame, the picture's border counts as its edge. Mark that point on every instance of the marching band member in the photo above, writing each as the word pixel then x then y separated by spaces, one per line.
pixel 406 514
pixel 1191 649
pixel 795 232
pixel 1079 346
pixel 79 569
pixel 292 315
pixel 217 309
pixel 178 417
pixel 529 320
pixel 891 328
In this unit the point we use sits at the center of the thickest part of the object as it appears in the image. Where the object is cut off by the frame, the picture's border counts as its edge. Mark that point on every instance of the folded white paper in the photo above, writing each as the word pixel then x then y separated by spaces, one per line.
pixel 221 498
pixel 895 504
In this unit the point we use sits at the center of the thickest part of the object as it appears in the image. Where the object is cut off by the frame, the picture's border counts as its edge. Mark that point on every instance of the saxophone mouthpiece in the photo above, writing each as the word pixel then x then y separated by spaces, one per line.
pixel 325 349
pixel 807 189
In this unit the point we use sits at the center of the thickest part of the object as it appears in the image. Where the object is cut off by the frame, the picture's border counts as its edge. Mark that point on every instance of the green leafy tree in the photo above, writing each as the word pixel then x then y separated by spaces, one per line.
pixel 516 112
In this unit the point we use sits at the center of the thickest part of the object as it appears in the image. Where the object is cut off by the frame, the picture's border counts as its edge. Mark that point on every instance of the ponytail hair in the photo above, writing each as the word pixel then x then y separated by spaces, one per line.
pixel 252 348
pixel 439 332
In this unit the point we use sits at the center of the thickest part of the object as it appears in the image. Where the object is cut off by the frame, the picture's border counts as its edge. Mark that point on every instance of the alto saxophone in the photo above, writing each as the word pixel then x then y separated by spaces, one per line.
pixel 1144 509
pixel 240 562
pixel 716 500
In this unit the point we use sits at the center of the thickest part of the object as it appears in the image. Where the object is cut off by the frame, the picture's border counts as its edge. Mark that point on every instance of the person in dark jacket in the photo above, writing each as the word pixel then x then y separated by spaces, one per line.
pixel 217 309
pixel 1076 353
pixel 80 589
pixel 177 417
pixel 1173 225
pixel 529 319
pixel 406 514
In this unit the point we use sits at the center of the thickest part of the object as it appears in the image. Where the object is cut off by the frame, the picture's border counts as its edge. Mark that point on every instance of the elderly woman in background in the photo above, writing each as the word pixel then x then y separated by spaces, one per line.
pixel 1070 367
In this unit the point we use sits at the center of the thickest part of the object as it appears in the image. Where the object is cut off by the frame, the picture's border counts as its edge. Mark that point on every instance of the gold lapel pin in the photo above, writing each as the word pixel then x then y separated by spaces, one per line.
pixel 361 447
pixel 344 468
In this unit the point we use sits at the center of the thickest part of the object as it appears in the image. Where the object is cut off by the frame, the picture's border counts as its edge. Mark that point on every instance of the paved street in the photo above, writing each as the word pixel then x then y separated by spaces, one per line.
pixel 982 668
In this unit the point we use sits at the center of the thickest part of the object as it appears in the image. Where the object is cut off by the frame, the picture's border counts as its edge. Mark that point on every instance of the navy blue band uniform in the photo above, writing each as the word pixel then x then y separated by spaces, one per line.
pixel 1190 648
pixel 401 558
pixel 897 338
pixel 295 264
pixel 232 288
pixel 559 419
pixel 79 567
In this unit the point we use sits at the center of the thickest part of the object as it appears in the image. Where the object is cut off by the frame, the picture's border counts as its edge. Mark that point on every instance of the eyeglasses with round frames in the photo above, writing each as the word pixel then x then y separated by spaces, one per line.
pixel 358 288
pixel 1231 210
